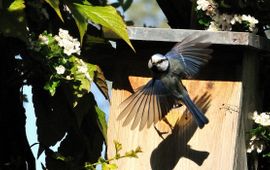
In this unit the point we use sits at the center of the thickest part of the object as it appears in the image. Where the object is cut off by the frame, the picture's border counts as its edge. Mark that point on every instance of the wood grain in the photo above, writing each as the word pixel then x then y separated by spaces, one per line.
pixel 185 146
pixel 177 35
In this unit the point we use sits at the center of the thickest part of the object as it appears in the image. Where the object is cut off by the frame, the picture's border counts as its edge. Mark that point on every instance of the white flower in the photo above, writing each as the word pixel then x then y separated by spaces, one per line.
pixel 213 27
pixel 202 5
pixel 71 45
pixel 43 39
pixel 236 19
pixel 60 69
pixel 262 119
pixel 207 5
pixel 64 34
pixel 255 144
pixel 221 22
pixel 68 77
pixel 84 70
pixel 251 20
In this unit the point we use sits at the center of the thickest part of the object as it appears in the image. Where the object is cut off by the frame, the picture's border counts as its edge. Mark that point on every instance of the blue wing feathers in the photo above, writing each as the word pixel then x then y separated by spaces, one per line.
pixel 147 105
pixel 191 54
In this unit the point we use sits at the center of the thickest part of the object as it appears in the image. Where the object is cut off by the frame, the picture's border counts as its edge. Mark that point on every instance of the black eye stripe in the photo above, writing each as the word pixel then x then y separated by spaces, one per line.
pixel 160 61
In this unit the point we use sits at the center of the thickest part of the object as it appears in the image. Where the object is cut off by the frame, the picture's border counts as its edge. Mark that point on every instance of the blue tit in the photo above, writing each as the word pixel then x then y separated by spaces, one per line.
pixel 151 102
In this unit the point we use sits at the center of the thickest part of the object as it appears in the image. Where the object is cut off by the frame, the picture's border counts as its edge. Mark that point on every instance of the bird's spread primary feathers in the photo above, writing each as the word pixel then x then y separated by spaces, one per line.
pixel 151 102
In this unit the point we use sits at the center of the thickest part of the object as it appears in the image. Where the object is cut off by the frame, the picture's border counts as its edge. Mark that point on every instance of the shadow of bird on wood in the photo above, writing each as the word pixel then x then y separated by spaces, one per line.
pixel 175 146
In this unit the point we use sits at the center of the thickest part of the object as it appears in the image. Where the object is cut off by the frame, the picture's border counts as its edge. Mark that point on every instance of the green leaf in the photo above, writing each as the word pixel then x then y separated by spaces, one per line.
pixel 69 153
pixel 86 2
pixel 89 166
pixel 91 70
pixel 12 20
pixel 55 5
pixel 61 157
pixel 106 16
pixel 82 108
pixel 205 22
pixel 106 166
pixel 131 154
pixel 266 155
pixel 127 4
pixel 79 18
pixel 51 86
pixel 91 41
pixel 101 121
pixel 101 160
pixel 16 5
pixel 100 81
pixel 83 77
pixel 53 116
pixel 138 149
pixel 117 146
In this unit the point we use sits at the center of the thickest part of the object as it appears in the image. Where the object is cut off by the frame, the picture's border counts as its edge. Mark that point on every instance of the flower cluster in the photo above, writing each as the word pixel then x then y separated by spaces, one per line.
pixel 59 54
pixel 260 134
pixel 222 21
pixel 255 144
pixel 209 6
pixel 261 119
pixel 43 39
pixel 71 45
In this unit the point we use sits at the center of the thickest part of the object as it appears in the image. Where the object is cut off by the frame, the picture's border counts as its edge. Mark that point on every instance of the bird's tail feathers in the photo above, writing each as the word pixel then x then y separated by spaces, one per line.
pixel 196 113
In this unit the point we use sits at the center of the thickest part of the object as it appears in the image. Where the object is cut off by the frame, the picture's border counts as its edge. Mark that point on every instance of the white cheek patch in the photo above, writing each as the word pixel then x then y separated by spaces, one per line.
pixel 163 66
pixel 159 61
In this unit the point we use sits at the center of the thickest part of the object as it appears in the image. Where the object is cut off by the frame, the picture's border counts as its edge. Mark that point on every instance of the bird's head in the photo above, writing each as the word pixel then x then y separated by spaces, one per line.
pixel 158 63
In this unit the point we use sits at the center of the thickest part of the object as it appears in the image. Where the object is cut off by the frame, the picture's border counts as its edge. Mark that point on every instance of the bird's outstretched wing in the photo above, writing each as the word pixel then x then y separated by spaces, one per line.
pixel 192 53
pixel 147 105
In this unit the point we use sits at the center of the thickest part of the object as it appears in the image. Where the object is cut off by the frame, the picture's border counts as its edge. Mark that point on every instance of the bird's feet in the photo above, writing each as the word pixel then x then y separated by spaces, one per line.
pixel 162 133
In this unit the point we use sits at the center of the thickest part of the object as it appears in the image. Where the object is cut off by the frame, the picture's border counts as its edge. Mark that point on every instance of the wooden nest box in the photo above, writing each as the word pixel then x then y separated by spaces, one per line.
pixel 225 90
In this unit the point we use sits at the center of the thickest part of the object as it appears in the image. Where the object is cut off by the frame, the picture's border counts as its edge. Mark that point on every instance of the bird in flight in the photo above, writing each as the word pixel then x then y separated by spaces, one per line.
pixel 151 102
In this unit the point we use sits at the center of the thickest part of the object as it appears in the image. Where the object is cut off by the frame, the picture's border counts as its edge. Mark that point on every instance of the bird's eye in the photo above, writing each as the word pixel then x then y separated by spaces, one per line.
pixel 160 61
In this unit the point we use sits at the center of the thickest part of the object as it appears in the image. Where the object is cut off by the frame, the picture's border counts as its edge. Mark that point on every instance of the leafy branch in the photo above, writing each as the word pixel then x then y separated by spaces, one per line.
pixel 60 71
pixel 107 165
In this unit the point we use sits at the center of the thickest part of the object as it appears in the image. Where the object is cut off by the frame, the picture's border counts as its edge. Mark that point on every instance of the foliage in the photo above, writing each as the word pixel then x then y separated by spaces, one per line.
pixel 260 134
pixel 12 19
pixel 124 4
pixel 58 57
pixel 107 165
pixel 216 15
pixel 259 141
pixel 54 61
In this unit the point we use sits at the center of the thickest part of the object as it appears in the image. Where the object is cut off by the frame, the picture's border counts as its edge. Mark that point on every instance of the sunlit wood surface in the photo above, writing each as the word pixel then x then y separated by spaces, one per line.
pixel 184 146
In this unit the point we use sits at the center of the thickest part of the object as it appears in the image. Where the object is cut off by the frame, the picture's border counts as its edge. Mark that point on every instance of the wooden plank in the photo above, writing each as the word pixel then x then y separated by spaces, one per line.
pixel 177 35
pixel 186 146
pixel 249 103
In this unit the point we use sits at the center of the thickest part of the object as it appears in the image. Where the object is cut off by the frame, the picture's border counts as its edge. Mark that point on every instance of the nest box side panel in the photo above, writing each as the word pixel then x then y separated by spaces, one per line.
pixel 184 146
